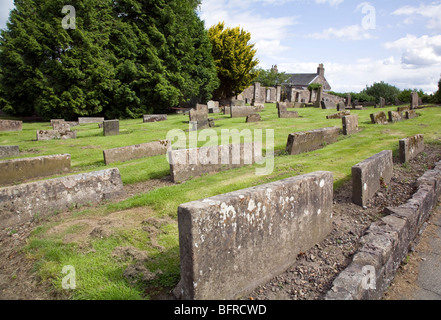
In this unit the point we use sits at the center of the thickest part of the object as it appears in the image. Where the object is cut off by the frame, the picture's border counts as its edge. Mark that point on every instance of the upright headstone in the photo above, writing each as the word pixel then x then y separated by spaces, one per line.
pixel 350 124
pixel 410 147
pixel 199 117
pixel 278 93
pixel 395 116
pixel 319 97
pixel 341 106
pixel 253 118
pixel 382 102
pixel 257 95
pixel 379 118
pixel 348 101
pixel 213 106
pixel 111 128
pixel 415 99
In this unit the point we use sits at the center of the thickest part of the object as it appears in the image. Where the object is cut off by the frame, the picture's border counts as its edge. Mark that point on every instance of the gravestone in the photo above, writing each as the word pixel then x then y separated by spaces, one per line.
pixel 61 126
pixel 18 170
pixel 319 97
pixel 350 124
pixel 328 105
pixel 307 141
pixel 370 175
pixel 199 117
pixel 411 114
pixel 111 128
pixel 10 125
pixel 9 151
pixel 348 101
pixel 415 101
pixel 339 115
pixel 382 102
pixel 154 118
pixel 379 118
pixel 341 106
pixel 395 116
pixel 253 118
pixel 88 120
pixel 45 135
pixel 232 243
pixel 237 103
pixel 213 106
pixel 138 151
pixel 403 109
pixel 410 147
pixel 241 111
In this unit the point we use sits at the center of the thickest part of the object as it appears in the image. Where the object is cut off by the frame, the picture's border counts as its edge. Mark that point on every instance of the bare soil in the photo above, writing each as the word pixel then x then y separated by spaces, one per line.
pixel 309 278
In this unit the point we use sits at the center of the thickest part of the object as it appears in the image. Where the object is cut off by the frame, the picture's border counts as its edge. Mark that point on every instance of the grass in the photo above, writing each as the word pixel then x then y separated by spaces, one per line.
pixel 99 273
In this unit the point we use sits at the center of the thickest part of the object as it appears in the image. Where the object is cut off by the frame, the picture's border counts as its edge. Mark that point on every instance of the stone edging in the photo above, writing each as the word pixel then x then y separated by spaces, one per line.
pixel 386 244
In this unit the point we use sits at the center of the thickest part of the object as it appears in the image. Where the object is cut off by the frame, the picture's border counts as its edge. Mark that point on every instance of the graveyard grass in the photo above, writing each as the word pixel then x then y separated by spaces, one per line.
pixel 99 270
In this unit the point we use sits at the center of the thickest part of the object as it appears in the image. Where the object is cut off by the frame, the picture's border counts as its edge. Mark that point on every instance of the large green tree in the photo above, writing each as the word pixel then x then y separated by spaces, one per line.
pixel 235 59
pixel 382 90
pixel 270 77
pixel 124 58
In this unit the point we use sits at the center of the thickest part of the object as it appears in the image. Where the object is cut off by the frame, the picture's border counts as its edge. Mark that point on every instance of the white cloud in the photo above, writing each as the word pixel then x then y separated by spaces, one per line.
pixel 354 32
pixel 416 51
pixel 332 3
pixel 431 12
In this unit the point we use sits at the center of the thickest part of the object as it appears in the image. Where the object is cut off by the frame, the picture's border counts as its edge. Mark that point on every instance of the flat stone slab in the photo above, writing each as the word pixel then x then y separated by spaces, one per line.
pixel 45 135
pixel 241 111
pixel 154 118
pixel 88 120
pixel 20 204
pixel 11 125
pixel 138 151
pixel 187 163
pixel 339 115
pixel 307 141
pixel 17 170
pixel 9 151
pixel 410 147
pixel 370 175
pixel 232 243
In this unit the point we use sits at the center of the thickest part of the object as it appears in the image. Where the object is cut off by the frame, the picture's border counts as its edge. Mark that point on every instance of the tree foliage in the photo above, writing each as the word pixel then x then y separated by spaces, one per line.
pixel 235 59
pixel 384 90
pixel 125 58
pixel 270 78
pixel 437 95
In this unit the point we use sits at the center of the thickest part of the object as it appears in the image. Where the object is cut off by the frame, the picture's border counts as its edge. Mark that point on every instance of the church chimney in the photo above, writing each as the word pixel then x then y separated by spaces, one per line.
pixel 321 70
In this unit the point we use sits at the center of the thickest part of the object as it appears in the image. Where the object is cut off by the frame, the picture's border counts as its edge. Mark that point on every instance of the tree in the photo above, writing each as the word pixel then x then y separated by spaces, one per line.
pixel 125 58
pixel 437 95
pixel 270 78
pixel 384 90
pixel 235 59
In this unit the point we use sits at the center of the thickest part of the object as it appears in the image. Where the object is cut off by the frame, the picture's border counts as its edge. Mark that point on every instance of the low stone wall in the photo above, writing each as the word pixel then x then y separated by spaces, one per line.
pixel 307 141
pixel 386 244
pixel 19 204
pixel 369 175
pixel 410 147
pixel 232 243
pixel 138 151
pixel 88 120
pixel 11 125
pixel 9 151
pixel 187 163
pixel 17 170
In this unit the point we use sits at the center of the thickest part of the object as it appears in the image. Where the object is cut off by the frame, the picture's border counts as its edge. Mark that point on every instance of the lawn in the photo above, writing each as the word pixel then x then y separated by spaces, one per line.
pixel 99 271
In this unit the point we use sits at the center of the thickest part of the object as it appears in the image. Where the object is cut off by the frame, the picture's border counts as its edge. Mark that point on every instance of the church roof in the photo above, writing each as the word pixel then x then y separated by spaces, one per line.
pixel 301 79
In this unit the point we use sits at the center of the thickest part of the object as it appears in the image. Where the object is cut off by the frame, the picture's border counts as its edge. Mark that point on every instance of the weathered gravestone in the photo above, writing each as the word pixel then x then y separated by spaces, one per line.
pixel 187 163
pixel 138 151
pixel 17 170
pixel 350 124
pixel 237 103
pixel 232 243
pixel 241 111
pixel 414 101
pixel 319 97
pixel 379 118
pixel 395 116
pixel 341 106
pixel 411 114
pixel 213 106
pixel 9 151
pixel 253 118
pixel 403 109
pixel 19 204
pixel 339 115
pixel 154 118
pixel 11 125
pixel 199 117
pixel 307 141
pixel 111 128
pixel 370 175
pixel 284 113
pixel 410 147
pixel 61 126
pixel 382 102
pixel 88 120
pixel 328 105
pixel 45 135
pixel 349 101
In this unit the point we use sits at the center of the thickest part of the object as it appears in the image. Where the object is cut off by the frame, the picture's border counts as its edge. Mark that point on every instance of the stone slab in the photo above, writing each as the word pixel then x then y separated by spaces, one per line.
pixel 9 151
pixel 154 118
pixel 395 116
pixel 350 124
pixel 232 243
pixel 328 105
pixel 45 135
pixel 111 128
pixel 10 125
pixel 88 120
pixel 17 170
pixel 307 141
pixel 187 163
pixel 379 118
pixel 339 115
pixel 138 151
pixel 369 176
pixel 253 118
pixel 241 111
pixel 21 203
pixel 410 147
pixel 411 114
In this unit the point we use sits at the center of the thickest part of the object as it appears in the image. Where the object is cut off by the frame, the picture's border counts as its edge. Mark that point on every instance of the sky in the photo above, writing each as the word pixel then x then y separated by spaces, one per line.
pixel 359 42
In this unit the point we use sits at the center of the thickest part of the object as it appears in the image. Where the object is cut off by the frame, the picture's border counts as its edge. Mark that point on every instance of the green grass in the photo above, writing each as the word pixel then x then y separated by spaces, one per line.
pixel 99 274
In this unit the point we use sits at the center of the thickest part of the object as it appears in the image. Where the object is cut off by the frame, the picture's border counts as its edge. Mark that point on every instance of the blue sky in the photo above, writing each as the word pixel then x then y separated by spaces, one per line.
pixel 396 41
